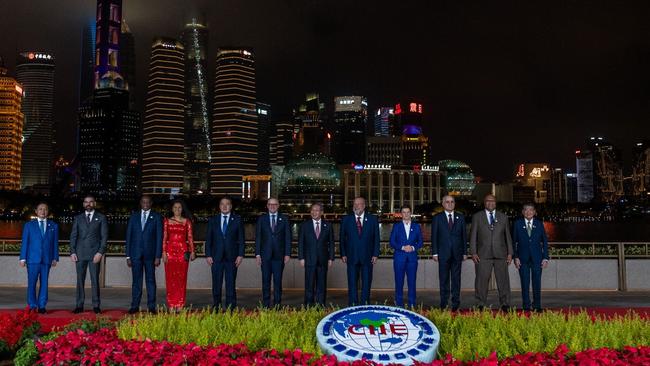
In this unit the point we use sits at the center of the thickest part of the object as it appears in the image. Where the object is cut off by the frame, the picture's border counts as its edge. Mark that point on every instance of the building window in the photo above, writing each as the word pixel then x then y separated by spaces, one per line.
pixel 112 57
pixel 97 57
pixel 115 13
pixel 115 35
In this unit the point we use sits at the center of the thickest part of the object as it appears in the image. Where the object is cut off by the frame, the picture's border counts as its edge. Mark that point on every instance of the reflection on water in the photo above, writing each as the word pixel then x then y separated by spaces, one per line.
pixel 564 231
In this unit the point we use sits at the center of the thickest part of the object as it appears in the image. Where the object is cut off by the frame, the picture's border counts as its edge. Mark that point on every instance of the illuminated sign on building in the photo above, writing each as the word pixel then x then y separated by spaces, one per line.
pixel 39 56
pixel 263 112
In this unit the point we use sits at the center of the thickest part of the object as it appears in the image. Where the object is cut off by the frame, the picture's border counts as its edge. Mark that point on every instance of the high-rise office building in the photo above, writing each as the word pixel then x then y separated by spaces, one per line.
pixel 11 130
pixel 350 120
pixel 309 127
pixel 35 72
pixel 384 119
pixel 281 142
pixel 559 190
pixel 585 176
pixel 266 129
pixel 604 161
pixel 107 44
pixel 641 170
pixel 408 119
pixel 537 176
pixel 163 135
pixel 197 108
pixel 234 122
pixel 127 61
pixel 87 69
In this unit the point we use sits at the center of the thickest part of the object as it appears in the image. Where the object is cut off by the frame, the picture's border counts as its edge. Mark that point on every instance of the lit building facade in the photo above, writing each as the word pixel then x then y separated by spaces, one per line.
pixel 309 127
pixel 349 127
pixel 600 172
pixel 256 187
pixel 537 176
pixel 11 130
pixel 266 129
pixel 384 119
pixel 107 45
pixel 35 72
pixel 584 176
pixel 281 142
pixel 163 130
pixel 127 61
pixel 387 189
pixel 87 69
pixel 641 170
pixel 408 118
pixel 459 178
pixel 197 108
pixel 234 126
pixel 559 190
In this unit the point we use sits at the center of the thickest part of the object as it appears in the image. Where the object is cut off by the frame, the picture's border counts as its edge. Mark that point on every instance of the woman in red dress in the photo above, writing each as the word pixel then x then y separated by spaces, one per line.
pixel 178 251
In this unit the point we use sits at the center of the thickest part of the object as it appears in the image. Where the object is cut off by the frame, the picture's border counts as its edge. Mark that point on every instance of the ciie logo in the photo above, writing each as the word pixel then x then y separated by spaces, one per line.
pixel 382 334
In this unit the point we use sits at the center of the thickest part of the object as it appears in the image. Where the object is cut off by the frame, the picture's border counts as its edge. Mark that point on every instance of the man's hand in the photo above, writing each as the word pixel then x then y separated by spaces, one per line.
pixel 258 260
pixel 128 262
pixel 330 262
pixel 22 263
pixel 545 263
pixel 73 257
pixel 209 260
pixel 517 263
pixel 373 260
pixel 238 261
pixel 192 256
pixel 156 262
pixel 509 259
pixel 344 259
pixel 475 258
pixel 302 263
pixel 54 263
pixel 164 258
pixel 435 258
pixel 286 259
pixel 97 258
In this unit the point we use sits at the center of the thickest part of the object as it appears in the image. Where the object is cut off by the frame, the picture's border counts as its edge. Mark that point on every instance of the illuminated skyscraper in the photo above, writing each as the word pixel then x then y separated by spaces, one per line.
pixel 11 130
pixel 384 118
pixel 281 142
pixel 641 170
pixel 127 61
pixel 234 127
pixel 600 172
pixel 350 119
pixel 263 143
pixel 87 70
pixel 35 72
pixel 309 133
pixel 197 108
pixel 163 129
pixel 107 44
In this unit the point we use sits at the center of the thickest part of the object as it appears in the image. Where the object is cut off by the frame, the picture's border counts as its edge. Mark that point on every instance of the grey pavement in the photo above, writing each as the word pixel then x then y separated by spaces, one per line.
pixel 119 298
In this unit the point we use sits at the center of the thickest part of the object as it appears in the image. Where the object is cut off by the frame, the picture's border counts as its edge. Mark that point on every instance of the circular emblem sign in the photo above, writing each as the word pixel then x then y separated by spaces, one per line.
pixel 382 334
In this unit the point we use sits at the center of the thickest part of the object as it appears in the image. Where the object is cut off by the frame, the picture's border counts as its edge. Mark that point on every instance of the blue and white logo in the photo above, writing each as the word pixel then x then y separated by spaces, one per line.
pixel 383 334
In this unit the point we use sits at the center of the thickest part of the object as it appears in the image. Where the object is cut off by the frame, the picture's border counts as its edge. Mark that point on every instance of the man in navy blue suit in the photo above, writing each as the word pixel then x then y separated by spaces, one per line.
pixel 224 252
pixel 449 247
pixel 39 252
pixel 272 250
pixel 316 254
pixel 143 252
pixel 406 240
pixel 359 240
pixel 530 246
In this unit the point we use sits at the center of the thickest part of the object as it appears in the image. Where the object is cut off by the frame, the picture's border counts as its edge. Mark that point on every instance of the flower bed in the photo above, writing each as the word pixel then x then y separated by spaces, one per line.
pixel 104 347
pixel 15 329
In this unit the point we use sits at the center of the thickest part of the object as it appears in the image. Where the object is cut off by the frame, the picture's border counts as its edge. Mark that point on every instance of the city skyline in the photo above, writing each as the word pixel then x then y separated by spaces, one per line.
pixel 557 72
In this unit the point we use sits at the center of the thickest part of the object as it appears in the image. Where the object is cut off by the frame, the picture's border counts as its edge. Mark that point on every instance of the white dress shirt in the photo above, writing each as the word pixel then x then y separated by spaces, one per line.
pixel 494 214
pixel 407 228
pixel 91 213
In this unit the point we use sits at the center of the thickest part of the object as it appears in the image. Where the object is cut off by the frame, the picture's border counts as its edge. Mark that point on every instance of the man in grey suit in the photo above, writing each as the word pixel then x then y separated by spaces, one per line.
pixel 491 249
pixel 87 247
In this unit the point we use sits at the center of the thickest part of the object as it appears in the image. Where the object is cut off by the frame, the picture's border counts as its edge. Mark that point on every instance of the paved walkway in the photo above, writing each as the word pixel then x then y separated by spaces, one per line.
pixel 119 298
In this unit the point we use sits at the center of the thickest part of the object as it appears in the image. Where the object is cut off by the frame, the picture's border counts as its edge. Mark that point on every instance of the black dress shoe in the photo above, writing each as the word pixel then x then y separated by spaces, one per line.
pixel 538 310
pixel 480 308
pixel 505 308
pixel 97 310
pixel 77 310
pixel 454 308
pixel 133 311
pixel 42 311
pixel 153 311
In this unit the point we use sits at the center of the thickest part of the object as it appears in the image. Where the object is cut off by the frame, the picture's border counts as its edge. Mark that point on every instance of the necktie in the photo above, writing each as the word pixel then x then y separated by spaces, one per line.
pixel 225 225
pixel 491 218
pixel 317 229
pixel 529 229
pixel 144 219
pixel 88 219
pixel 42 226
pixel 273 223
pixel 359 227
pixel 450 221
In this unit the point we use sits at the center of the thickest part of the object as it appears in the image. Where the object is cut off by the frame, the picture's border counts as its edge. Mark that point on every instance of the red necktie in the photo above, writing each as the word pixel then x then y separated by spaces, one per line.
pixel 359 225
pixel 451 223
pixel 317 229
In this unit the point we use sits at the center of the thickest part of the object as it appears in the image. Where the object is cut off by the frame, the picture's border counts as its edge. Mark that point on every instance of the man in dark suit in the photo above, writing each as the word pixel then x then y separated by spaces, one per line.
pixel 39 252
pixel 316 254
pixel 449 246
pixel 272 250
pixel 87 247
pixel 224 251
pixel 143 252
pixel 491 248
pixel 359 240
pixel 531 255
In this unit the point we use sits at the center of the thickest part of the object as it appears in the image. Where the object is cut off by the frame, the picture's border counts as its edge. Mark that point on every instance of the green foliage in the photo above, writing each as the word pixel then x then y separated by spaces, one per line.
pixel 27 354
pixel 464 336
pixel 90 325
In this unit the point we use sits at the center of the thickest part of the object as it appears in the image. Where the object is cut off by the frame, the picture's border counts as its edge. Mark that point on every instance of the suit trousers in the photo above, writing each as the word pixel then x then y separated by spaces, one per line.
pixel 220 269
pixel 37 272
pixel 355 272
pixel 483 273
pixel 272 268
pixel 146 267
pixel 405 267
pixel 527 269
pixel 315 284
pixel 82 266
pixel 449 270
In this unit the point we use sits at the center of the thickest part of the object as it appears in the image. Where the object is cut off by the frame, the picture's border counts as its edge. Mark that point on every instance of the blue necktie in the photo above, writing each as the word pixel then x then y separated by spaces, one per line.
pixel 42 225
pixel 225 225
pixel 144 219
pixel 491 218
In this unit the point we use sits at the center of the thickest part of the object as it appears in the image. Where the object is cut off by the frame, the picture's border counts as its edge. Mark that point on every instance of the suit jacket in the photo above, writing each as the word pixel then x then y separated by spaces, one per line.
pixel 359 249
pixel 269 244
pixel 534 246
pixel 147 243
pixel 38 248
pixel 316 251
pixel 226 246
pixel 398 239
pixel 449 243
pixel 88 239
pixel 490 242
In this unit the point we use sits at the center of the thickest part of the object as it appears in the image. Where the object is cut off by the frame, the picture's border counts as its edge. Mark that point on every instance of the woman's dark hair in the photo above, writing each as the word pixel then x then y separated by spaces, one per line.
pixel 185 212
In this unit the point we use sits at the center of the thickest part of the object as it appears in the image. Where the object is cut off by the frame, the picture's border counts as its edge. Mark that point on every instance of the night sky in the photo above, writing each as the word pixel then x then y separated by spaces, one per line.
pixel 501 81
